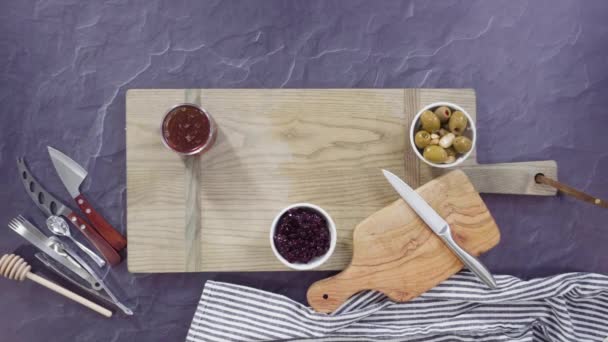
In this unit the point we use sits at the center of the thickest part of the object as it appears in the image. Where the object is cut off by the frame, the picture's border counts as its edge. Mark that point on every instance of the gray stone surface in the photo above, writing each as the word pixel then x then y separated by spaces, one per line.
pixel 539 67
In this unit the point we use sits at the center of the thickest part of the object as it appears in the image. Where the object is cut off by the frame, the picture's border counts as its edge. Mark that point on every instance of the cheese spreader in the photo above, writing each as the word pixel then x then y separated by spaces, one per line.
pixel 440 227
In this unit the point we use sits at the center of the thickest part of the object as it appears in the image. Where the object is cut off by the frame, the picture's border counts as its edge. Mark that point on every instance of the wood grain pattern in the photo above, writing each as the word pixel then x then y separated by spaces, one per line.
pixel 276 147
pixel 397 254
pixel 510 178
pixel 412 163
pixel 193 224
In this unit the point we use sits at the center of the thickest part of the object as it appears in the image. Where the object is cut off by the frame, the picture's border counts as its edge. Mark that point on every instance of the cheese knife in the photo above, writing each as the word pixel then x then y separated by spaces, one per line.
pixel 72 175
pixel 440 227
pixel 50 206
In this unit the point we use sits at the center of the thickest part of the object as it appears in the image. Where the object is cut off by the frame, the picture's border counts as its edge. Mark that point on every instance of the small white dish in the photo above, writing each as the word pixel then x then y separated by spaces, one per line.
pixel 471 133
pixel 318 261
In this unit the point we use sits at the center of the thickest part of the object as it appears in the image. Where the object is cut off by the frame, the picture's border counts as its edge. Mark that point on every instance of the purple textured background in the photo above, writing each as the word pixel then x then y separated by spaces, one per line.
pixel 539 67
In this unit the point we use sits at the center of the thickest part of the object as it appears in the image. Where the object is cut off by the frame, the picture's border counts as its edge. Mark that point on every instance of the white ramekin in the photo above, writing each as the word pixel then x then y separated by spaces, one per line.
pixel 318 261
pixel 471 128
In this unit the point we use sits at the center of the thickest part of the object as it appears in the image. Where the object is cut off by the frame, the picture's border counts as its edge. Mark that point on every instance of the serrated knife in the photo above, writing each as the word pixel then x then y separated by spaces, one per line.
pixel 440 227
pixel 72 175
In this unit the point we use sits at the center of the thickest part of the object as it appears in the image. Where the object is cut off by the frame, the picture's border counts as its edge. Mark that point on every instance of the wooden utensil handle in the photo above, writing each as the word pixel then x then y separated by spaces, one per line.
pixel 69 294
pixel 15 267
pixel 113 237
pixel 92 235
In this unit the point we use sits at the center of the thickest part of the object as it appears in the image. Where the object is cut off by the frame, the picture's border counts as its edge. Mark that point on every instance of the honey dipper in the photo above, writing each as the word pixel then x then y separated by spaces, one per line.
pixel 14 267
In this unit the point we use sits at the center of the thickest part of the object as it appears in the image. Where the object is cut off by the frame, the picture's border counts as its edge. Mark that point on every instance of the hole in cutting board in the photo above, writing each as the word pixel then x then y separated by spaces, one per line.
pixel 325 296
pixel 536 177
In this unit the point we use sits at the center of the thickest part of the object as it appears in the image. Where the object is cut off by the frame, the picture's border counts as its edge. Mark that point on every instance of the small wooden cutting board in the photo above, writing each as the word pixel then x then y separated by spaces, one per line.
pixel 396 253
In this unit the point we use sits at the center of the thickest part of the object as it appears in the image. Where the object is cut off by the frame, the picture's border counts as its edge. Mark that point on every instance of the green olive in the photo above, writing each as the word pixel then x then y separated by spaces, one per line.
pixel 429 121
pixel 458 123
pixel 443 113
pixel 462 144
pixel 422 139
pixel 435 154
pixel 451 151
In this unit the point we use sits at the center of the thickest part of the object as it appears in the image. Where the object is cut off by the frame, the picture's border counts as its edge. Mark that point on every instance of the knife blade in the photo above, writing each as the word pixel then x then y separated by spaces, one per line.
pixel 50 205
pixel 439 226
pixel 72 175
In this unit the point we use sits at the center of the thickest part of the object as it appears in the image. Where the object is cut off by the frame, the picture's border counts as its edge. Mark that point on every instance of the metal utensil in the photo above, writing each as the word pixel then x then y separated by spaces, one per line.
pixel 57 246
pixel 66 274
pixel 50 206
pixel 72 175
pixel 58 226
pixel 29 232
pixel 101 289
pixel 65 261
pixel 440 227
pixel 101 286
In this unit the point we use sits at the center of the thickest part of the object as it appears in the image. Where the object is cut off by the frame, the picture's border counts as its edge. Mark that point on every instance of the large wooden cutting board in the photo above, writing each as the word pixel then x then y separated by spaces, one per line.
pixel 276 147
pixel 397 254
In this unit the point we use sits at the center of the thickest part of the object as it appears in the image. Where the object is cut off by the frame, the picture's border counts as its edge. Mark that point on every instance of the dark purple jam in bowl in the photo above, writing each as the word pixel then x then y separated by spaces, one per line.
pixel 302 234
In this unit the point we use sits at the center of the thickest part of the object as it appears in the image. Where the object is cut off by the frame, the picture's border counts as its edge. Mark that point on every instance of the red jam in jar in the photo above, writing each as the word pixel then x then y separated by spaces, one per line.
pixel 188 129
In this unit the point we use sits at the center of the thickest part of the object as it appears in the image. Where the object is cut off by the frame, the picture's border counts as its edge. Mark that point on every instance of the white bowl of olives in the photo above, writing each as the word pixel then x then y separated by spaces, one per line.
pixel 443 134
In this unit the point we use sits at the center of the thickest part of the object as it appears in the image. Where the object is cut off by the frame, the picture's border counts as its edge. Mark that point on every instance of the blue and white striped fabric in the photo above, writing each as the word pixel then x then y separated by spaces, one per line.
pixel 566 307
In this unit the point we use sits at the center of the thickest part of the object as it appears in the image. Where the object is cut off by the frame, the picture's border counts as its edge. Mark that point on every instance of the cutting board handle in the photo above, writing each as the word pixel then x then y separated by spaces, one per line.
pixel 508 178
pixel 329 294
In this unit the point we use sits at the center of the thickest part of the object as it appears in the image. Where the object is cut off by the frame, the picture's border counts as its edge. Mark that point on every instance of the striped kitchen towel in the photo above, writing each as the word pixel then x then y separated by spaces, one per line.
pixel 566 307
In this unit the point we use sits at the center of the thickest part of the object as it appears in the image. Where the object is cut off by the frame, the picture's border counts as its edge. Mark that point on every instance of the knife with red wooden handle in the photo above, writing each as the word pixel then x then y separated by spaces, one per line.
pixel 108 252
pixel 51 206
pixel 72 175
pixel 114 238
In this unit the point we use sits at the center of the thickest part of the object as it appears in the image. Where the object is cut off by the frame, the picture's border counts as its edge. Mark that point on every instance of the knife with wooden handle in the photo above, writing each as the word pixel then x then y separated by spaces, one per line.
pixel 72 175
pixel 96 239
pixel 52 206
